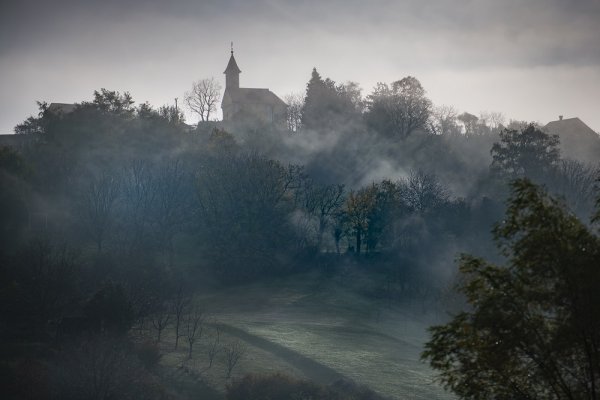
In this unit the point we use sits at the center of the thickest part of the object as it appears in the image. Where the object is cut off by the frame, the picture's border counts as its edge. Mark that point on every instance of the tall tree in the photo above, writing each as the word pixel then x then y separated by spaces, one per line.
pixel 111 101
pixel 203 98
pixel 96 206
pixel 295 103
pixel 470 122
pixel 328 105
pixel 528 153
pixel 400 109
pixel 532 330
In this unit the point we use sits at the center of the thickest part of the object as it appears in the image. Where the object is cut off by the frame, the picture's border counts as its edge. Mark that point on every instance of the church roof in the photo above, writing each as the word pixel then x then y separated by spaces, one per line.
pixel 251 95
pixel 577 140
pixel 571 127
pixel 64 108
pixel 232 66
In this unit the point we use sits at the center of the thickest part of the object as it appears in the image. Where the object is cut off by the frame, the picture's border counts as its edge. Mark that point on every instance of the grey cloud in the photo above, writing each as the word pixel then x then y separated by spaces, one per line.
pixel 534 32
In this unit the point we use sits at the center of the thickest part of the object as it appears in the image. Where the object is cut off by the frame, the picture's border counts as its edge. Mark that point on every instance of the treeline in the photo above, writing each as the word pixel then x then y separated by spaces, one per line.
pixel 113 207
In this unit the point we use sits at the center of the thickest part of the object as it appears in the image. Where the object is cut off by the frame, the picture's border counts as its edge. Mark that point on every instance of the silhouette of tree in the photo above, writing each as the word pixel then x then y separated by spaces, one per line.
pixel 529 153
pixel 110 309
pixel 203 98
pixel 110 101
pixel 533 326
pixel 43 282
pixel 194 327
pixel 295 103
pixel 400 109
pixel 243 205
pixel 34 125
pixel 97 206
pixel 422 192
pixel 233 353
pixel 321 202
pixel 359 208
pixel 443 121
pixel 328 105
pixel 171 114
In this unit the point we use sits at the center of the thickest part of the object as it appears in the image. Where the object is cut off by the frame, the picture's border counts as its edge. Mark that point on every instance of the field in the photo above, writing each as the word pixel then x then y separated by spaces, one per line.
pixel 308 327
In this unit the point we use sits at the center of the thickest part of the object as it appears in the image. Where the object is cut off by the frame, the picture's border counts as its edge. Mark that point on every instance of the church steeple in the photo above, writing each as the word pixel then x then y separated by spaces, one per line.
pixel 232 73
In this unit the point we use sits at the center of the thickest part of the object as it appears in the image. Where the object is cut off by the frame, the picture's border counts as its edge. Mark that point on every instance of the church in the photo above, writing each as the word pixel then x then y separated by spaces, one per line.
pixel 249 106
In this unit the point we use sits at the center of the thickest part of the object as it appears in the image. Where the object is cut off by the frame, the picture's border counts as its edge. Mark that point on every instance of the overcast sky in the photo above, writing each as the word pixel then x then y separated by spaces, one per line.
pixel 529 59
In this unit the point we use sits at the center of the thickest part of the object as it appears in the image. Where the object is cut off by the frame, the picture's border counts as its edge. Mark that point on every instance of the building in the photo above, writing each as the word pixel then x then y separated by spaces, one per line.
pixel 577 140
pixel 61 108
pixel 249 106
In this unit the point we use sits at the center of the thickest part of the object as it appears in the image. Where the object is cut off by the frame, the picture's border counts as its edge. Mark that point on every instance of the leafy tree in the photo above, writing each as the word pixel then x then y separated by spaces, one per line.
pixel 42 281
pixel 400 109
pixel 14 194
pixel 528 153
pixel 33 125
pixel 110 309
pixel 532 330
pixel 171 114
pixel 470 122
pixel 243 206
pixel 111 101
pixel 328 105
pixel 360 206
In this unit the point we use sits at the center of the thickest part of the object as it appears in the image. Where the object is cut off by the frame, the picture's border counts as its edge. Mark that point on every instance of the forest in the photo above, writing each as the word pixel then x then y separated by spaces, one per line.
pixel 126 231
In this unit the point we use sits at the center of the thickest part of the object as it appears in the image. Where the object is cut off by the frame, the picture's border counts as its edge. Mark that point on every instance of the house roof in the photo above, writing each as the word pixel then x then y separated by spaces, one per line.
pixel 571 126
pixel 64 108
pixel 577 140
pixel 251 95
pixel 232 66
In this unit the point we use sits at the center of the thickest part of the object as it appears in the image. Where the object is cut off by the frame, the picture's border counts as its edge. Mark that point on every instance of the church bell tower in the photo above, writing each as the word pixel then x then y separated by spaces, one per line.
pixel 232 73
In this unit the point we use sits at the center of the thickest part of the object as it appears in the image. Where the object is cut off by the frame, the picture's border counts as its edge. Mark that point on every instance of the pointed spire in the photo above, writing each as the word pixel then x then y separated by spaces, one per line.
pixel 232 73
pixel 232 65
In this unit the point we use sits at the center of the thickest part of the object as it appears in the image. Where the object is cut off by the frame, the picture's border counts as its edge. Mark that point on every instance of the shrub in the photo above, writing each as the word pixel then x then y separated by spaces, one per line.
pixel 148 353
pixel 282 387
pixel 273 387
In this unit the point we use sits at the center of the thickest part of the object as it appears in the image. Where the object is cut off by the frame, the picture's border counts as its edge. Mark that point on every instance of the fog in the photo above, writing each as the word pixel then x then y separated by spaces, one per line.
pixel 403 222
pixel 526 60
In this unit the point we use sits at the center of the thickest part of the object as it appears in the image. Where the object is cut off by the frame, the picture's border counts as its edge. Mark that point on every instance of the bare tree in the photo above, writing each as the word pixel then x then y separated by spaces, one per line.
pixel 574 181
pixel 422 192
pixel 295 103
pixel 214 347
pixel 233 352
pixel 321 202
pixel 160 320
pixel 96 368
pixel 138 200
pixel 496 119
pixel 194 325
pixel 203 97
pixel 170 211
pixel 443 120
pixel 179 304
pixel 96 205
